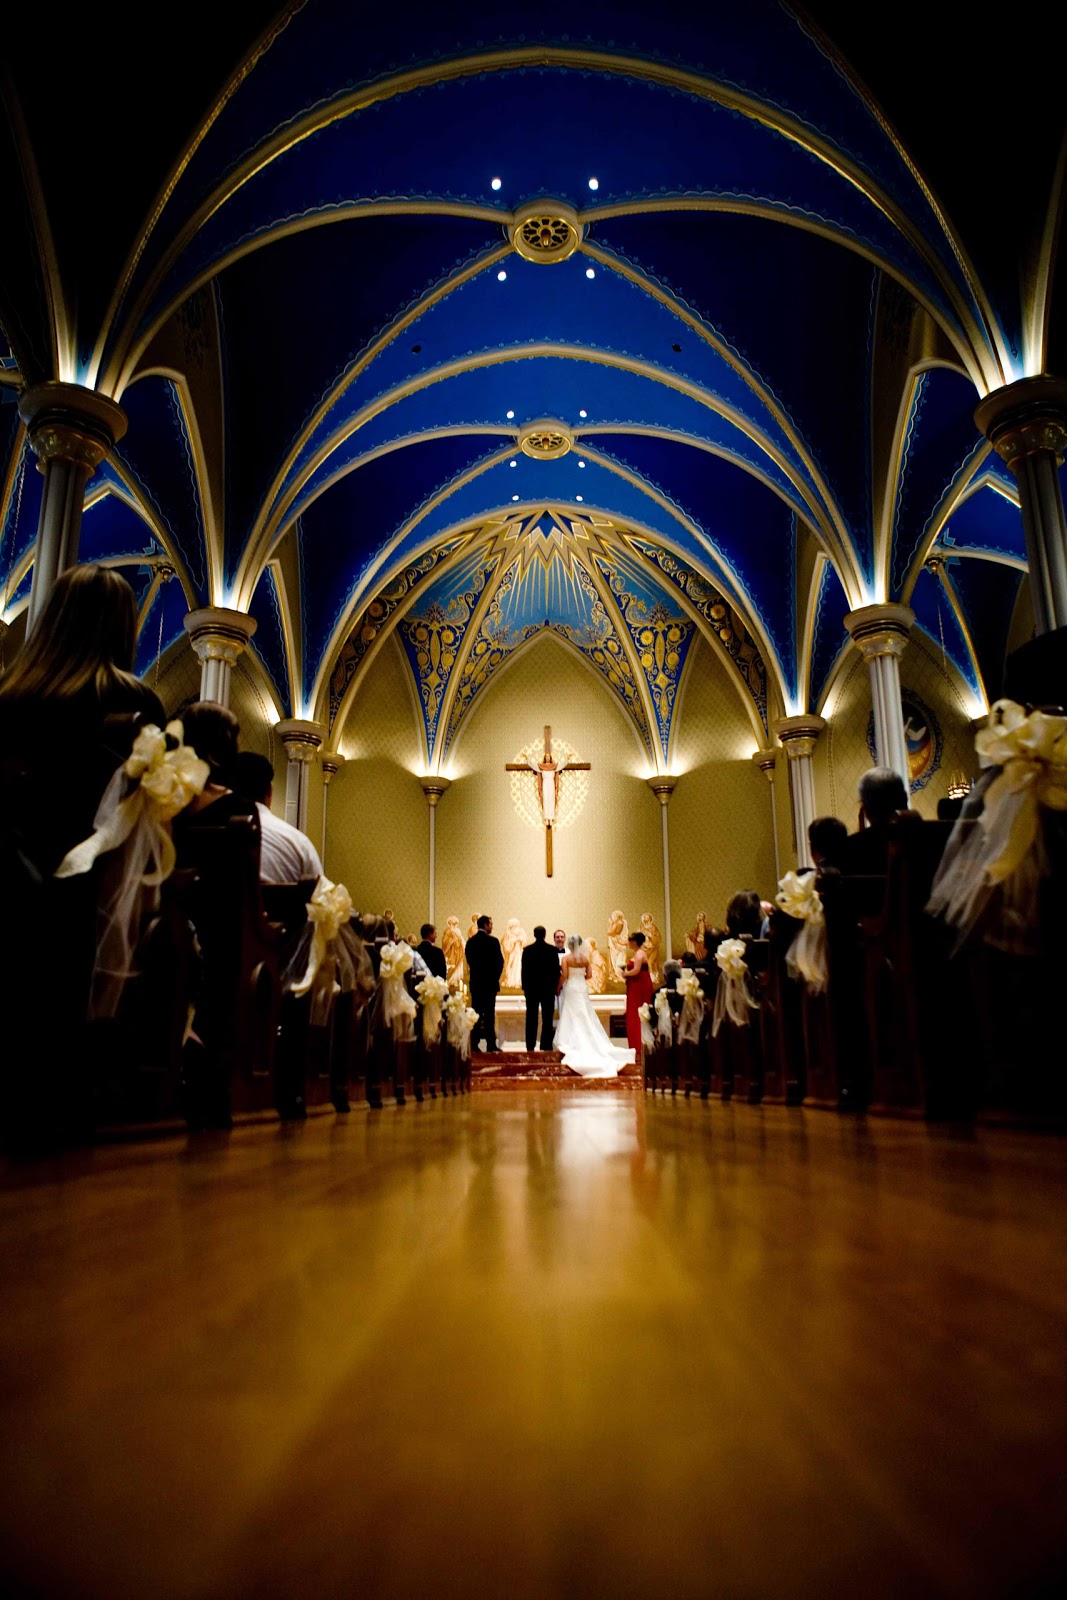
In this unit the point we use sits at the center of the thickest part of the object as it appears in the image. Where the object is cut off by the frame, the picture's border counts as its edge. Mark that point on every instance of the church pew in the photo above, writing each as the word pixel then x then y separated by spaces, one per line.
pixel 781 1019
pixel 912 993
pixel 240 995
pixel 834 1024
pixel 136 1057
pixel 300 1078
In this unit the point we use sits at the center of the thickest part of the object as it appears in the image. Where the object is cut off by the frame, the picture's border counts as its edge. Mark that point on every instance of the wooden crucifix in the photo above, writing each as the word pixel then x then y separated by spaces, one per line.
pixel 548 773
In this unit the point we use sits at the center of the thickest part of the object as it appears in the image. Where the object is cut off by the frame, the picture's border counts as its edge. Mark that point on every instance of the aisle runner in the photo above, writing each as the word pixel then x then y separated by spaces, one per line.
pixel 537 1069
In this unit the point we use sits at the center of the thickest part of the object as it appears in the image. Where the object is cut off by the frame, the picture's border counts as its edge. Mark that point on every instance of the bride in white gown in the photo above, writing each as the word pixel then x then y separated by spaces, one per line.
pixel 586 1048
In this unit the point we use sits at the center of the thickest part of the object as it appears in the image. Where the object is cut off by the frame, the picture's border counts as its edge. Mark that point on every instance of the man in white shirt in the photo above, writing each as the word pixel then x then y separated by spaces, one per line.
pixel 285 854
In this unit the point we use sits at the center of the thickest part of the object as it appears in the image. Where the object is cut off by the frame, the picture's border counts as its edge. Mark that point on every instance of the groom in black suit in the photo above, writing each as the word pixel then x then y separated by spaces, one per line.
pixel 485 963
pixel 540 980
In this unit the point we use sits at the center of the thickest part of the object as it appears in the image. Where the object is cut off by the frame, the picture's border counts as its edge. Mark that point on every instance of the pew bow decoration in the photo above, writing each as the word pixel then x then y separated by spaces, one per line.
pixel 807 958
pixel 664 1020
pixel 132 826
pixel 329 958
pixel 432 993
pixel 732 997
pixel 692 1013
pixel 648 1038
pixel 461 1019
pixel 1003 852
pixel 398 1008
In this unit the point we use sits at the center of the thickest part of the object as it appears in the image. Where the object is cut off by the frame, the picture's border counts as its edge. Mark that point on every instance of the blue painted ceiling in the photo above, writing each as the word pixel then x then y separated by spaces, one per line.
pixel 761 278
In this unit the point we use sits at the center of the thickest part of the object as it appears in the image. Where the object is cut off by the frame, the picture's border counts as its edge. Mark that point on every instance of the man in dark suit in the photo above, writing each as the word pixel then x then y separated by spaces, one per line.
pixel 485 963
pixel 427 949
pixel 883 796
pixel 540 980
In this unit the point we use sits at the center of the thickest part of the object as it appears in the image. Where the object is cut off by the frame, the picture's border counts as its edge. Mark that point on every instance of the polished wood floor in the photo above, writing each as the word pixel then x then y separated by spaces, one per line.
pixel 531 1346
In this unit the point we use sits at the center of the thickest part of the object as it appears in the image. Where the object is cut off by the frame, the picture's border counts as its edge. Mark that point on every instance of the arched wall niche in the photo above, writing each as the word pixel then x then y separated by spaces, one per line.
pixel 489 859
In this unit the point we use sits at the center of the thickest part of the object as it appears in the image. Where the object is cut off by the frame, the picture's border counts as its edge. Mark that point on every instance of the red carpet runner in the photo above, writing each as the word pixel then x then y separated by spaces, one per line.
pixel 537 1069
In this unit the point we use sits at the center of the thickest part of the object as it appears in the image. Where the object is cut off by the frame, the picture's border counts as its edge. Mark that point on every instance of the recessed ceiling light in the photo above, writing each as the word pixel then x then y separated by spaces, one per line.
pixel 496 183
pixel 581 463
pixel 510 414
pixel 594 183
pixel 513 463
pixel 501 275
pixel 577 497
pixel 583 413
pixel 589 272
pixel 514 497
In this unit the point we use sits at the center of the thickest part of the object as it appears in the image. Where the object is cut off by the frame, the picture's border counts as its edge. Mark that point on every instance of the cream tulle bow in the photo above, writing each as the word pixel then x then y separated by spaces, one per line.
pixel 398 1008
pixel 432 993
pixel 648 1038
pixel 134 830
pixel 732 998
pixel 1003 851
pixel 461 1020
pixel 692 1013
pixel 329 908
pixel 807 959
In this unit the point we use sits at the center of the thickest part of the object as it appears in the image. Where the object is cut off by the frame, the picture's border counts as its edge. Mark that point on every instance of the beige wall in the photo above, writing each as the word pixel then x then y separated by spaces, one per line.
pixel 377 830
pixel 842 754
pixel 720 816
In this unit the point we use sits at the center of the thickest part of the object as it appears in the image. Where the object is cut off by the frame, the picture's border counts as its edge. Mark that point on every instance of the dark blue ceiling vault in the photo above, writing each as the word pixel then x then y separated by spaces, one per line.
pixel 760 348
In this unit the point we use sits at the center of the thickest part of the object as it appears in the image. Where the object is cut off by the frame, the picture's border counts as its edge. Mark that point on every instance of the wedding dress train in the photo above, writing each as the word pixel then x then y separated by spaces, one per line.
pixel 586 1048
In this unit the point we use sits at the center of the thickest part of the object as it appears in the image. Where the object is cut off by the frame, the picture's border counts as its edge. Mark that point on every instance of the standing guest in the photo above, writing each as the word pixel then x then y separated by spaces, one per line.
pixel 69 711
pixel 427 949
pixel 744 915
pixel 485 963
pixel 826 838
pixel 286 855
pixel 883 795
pixel 540 981
pixel 638 990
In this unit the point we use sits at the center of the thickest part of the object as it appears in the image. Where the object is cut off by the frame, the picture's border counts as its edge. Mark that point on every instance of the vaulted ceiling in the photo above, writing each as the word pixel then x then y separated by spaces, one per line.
pixel 466 328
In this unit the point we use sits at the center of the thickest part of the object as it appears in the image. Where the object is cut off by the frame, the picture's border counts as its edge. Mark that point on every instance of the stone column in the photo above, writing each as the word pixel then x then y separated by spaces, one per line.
pixel 433 789
pixel 71 430
pixel 766 761
pixel 880 634
pixel 301 740
pixel 332 762
pixel 218 636
pixel 798 736
pixel 663 788
pixel 1026 423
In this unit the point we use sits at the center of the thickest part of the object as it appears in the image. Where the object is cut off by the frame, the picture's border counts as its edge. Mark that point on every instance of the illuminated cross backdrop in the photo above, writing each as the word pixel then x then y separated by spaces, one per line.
pixel 538 791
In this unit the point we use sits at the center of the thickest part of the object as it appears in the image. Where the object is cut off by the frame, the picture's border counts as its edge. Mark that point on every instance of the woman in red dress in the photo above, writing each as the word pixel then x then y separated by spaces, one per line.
pixel 638 991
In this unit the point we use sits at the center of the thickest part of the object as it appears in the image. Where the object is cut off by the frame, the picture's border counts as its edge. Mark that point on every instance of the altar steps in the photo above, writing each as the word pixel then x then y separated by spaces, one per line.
pixel 538 1069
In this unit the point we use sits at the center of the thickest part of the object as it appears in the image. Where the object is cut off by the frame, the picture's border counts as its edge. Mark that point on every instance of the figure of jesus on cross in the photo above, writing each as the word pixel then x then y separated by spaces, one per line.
pixel 548 773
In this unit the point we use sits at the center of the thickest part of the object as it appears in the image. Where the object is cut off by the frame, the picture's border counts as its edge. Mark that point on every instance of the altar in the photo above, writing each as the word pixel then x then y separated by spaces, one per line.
pixel 511 1018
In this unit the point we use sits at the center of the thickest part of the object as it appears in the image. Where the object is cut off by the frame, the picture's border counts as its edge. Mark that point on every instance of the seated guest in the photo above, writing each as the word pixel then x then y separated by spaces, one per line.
pixel 883 796
pixel 286 855
pixel 69 711
pixel 213 731
pixel 744 915
pixel 427 949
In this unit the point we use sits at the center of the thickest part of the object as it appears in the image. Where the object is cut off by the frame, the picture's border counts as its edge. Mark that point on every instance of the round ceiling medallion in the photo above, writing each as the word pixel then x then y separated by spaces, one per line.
pixel 545 441
pixel 546 232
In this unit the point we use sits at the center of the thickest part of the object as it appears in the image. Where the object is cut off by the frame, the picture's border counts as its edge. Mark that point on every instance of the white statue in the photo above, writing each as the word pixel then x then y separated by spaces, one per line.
pixel 511 944
pixel 452 949
pixel 598 969
pixel 618 952
pixel 652 945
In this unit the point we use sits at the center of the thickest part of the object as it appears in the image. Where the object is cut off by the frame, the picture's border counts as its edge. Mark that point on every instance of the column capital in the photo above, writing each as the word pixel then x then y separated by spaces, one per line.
pixel 332 762
pixel 219 634
pixel 798 734
pixel 880 630
pixel 1026 418
pixel 662 786
pixel 68 422
pixel 766 761
pixel 301 739
pixel 433 789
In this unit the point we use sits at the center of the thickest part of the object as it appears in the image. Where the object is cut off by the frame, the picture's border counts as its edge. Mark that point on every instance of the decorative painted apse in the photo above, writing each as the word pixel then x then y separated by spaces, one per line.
pixel 696 360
